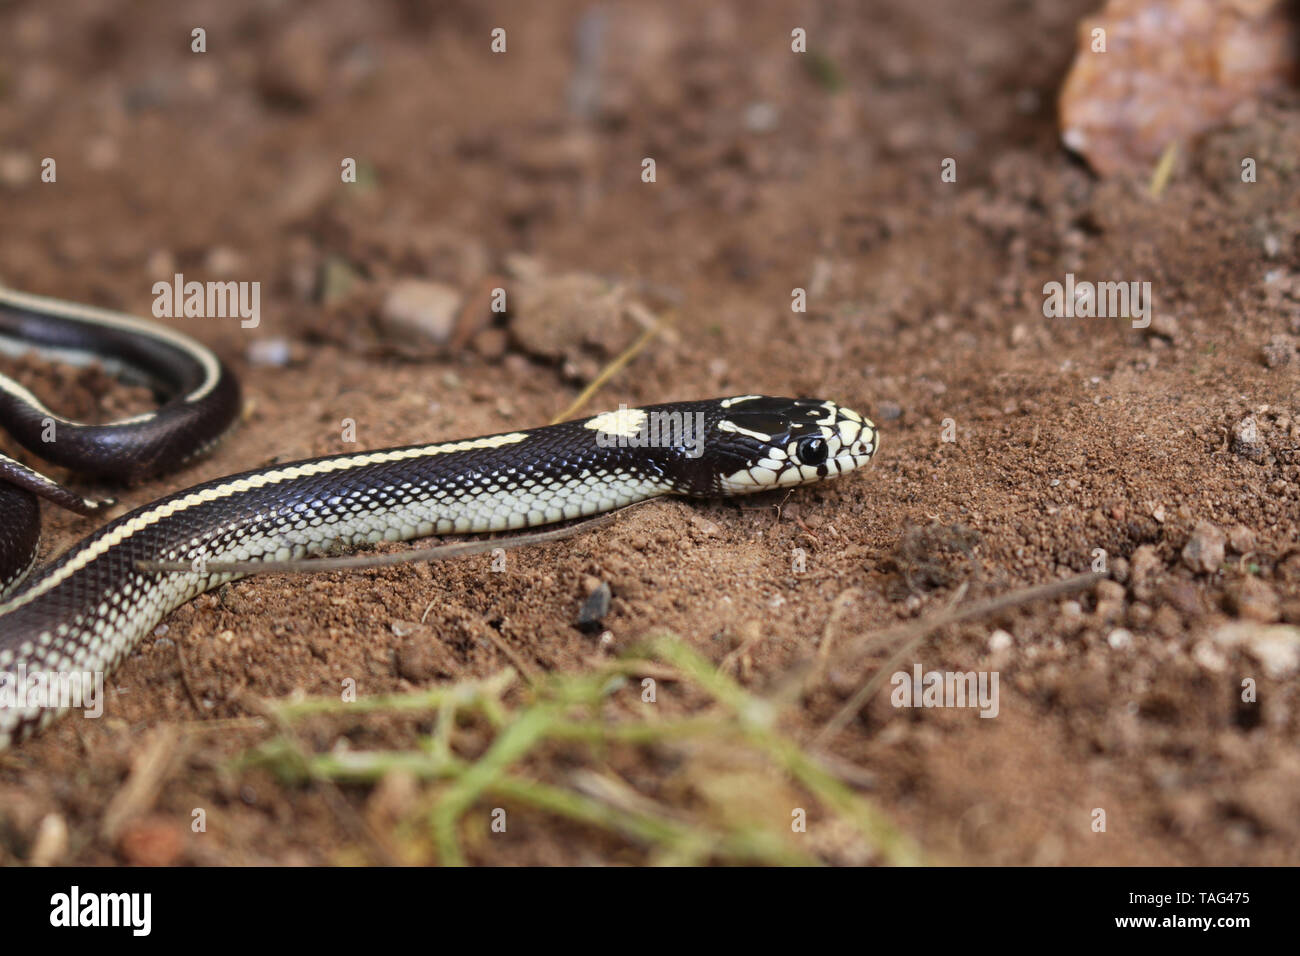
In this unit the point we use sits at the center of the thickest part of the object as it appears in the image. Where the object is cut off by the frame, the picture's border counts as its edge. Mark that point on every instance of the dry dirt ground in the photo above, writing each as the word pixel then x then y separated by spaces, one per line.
pixel 775 170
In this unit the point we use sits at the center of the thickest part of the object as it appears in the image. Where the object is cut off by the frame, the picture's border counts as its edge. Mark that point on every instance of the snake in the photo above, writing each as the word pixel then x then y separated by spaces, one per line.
pixel 83 613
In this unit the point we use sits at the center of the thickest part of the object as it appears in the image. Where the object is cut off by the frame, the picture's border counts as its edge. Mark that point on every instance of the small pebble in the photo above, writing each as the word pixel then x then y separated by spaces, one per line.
pixel 1204 551
pixel 1146 564
pixel 1253 600
pixel 888 411
pixel 1279 352
pixel 1241 539
pixel 417 311
pixel 1000 640
pixel 269 353
pixel 595 607
pixel 416 660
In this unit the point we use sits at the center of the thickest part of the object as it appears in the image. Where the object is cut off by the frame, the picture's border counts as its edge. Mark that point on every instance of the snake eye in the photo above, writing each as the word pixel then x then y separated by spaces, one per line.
pixel 812 451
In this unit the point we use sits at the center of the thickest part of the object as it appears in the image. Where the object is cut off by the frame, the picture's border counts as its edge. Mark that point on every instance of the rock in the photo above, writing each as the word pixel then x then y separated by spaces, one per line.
pixel 270 353
pixel 1276 647
pixel 1204 551
pixel 416 660
pixel 595 608
pixel 1167 622
pixel 1110 591
pixel 1246 440
pixel 417 313
pixel 1279 352
pixel 1140 615
pixel 1209 657
pixel 297 71
pixel 888 411
pixel 1170 69
pixel 560 318
pixel 1146 565
pixel 17 169
pixel 1241 539
pixel 1252 599
pixel 222 262
pixel 1185 598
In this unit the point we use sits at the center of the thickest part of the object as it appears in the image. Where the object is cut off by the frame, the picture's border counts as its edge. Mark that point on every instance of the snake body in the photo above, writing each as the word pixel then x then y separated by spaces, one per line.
pixel 87 610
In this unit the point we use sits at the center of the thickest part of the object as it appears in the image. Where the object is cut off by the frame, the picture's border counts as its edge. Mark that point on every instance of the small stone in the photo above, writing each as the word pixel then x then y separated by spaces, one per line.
pixel 1209 657
pixel 1275 647
pixel 416 660
pixel 223 262
pixel 1146 565
pixel 419 312
pixel 16 169
pixel 1000 640
pixel 888 411
pixel 1185 598
pixel 595 607
pixel 1204 551
pixel 1246 440
pixel 1241 539
pixel 1166 622
pixel 270 353
pixel 1279 352
pixel 1110 591
pixel 1119 639
pixel 1163 325
pixel 160 262
pixel 761 117
pixel 1253 600
pixel 297 71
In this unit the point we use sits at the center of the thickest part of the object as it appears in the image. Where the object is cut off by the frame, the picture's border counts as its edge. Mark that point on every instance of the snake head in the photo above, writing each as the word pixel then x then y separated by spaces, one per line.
pixel 761 443
pixel 736 446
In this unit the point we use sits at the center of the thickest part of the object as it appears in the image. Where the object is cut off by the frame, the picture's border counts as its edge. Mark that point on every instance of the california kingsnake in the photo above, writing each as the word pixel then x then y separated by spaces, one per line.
pixel 82 614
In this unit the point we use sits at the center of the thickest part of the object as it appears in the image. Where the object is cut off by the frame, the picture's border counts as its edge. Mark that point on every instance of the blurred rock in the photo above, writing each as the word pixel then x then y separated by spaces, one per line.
pixel 1145 568
pixel 565 318
pixel 418 314
pixel 1171 69
pixel 1204 551
pixel 1279 352
pixel 1276 647
pixel 298 71
pixel 1253 600
pixel 1241 539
